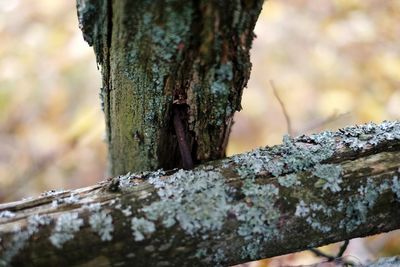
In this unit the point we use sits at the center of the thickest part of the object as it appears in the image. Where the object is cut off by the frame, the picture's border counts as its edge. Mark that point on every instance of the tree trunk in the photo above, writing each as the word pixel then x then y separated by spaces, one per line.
pixel 160 56
pixel 307 192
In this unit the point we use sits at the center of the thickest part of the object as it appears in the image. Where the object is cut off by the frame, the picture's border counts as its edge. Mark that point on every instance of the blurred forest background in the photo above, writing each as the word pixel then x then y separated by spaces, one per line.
pixel 333 63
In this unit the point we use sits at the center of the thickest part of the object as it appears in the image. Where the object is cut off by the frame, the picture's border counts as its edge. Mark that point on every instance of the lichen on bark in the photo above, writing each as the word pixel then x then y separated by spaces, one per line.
pixel 255 224
pixel 155 54
pixel 226 212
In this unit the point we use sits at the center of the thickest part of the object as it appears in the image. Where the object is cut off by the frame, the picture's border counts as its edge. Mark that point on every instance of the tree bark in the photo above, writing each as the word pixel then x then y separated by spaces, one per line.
pixel 307 192
pixel 193 55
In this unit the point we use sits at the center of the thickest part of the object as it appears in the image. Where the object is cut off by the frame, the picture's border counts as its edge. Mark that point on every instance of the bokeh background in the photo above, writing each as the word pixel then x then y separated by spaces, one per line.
pixel 333 63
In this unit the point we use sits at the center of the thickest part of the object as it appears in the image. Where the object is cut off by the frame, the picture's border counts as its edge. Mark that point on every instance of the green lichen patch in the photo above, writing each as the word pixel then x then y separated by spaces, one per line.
pixel 313 214
pixel 358 206
pixel 289 180
pixel 291 156
pixel 298 156
pixel 258 217
pixel 197 201
pixel 165 40
pixel 355 208
pixel 370 134
pixel 200 202
pixel 310 152
pixel 329 175
pixel 220 89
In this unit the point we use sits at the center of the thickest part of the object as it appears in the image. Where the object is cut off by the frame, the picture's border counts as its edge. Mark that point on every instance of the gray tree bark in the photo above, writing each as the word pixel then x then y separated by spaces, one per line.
pixel 157 57
pixel 163 58
pixel 307 192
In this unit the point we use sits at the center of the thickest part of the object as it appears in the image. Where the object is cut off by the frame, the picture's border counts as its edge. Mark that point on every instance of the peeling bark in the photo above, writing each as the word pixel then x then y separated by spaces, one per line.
pixel 307 192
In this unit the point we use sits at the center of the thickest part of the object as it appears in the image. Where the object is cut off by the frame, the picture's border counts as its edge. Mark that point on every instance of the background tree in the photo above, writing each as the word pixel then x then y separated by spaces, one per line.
pixel 168 59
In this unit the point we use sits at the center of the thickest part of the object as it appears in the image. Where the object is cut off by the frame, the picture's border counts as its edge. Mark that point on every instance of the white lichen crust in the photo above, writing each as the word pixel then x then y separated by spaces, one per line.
pixel 7 214
pixel 141 227
pixel 200 201
pixel 197 200
pixel 321 183
pixel 21 237
pixel 66 226
pixel 330 176
pixel 102 224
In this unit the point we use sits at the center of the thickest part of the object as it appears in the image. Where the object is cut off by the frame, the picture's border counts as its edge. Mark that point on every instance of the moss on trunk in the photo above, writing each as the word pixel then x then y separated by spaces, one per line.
pixel 156 54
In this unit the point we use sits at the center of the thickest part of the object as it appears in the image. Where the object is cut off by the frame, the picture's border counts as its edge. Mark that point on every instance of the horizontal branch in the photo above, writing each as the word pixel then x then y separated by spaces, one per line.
pixel 308 191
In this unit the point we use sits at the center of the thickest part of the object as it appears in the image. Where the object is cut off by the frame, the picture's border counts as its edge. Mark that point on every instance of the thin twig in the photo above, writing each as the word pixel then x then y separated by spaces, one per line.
pixel 319 253
pixel 331 118
pixel 343 248
pixel 285 113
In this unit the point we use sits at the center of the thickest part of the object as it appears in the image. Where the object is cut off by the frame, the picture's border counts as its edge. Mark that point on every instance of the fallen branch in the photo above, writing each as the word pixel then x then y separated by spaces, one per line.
pixel 307 192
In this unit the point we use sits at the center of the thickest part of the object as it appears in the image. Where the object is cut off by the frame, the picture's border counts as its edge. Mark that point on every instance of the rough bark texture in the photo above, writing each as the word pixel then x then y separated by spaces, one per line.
pixel 156 54
pixel 307 192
